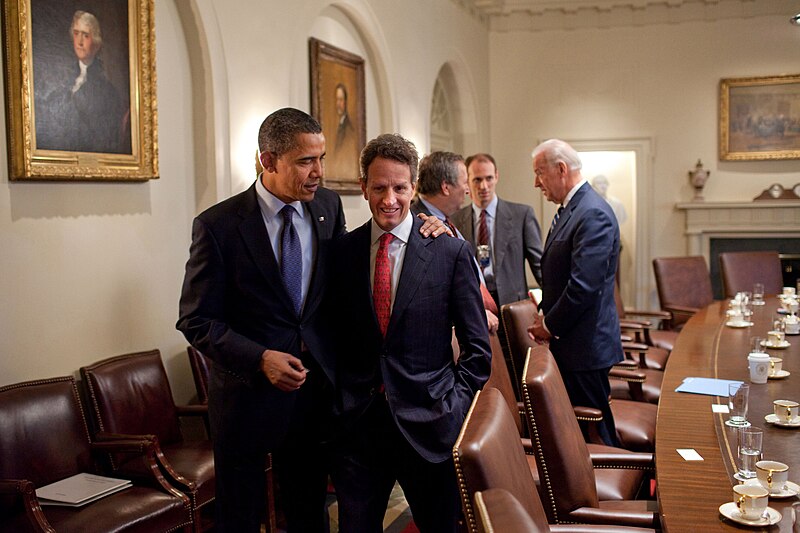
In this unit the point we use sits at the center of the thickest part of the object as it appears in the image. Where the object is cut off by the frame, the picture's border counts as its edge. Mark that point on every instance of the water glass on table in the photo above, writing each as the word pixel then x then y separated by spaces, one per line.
pixel 750 447
pixel 738 395
pixel 758 294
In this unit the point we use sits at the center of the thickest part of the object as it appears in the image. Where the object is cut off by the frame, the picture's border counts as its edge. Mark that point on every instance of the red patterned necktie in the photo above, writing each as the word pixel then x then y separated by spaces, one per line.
pixel 449 224
pixel 382 287
pixel 483 229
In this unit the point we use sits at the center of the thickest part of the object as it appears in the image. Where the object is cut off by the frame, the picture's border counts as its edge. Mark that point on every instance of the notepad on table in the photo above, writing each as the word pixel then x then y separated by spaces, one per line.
pixel 80 489
pixel 707 386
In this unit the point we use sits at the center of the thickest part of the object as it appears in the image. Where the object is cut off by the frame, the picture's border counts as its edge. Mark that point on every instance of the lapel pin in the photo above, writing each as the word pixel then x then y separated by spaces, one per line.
pixel 322 219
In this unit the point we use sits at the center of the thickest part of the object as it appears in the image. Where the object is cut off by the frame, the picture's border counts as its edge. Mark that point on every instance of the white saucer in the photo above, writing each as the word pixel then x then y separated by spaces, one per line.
pixel 762 302
pixel 781 346
pixel 746 424
pixel 772 419
pixel 792 489
pixel 731 511
pixel 780 374
pixel 741 324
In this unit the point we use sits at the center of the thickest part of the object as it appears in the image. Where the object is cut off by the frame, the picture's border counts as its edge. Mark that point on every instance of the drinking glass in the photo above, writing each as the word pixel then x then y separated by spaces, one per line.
pixel 756 345
pixel 758 294
pixel 738 395
pixel 750 441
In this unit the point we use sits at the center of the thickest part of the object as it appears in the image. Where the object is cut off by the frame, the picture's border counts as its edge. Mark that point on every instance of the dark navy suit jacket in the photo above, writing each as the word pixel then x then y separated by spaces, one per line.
pixel 234 306
pixel 427 392
pixel 579 263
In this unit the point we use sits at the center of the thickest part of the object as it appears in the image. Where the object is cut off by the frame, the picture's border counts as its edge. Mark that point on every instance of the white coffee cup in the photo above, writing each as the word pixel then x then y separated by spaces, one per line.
pixel 775 338
pixel 786 410
pixel 772 475
pixel 752 501
pixel 775 365
pixel 792 324
pixel 759 367
pixel 789 291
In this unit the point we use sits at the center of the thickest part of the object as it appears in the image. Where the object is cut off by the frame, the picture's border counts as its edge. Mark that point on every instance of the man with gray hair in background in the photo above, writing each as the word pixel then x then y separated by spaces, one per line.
pixel 578 315
pixel 442 187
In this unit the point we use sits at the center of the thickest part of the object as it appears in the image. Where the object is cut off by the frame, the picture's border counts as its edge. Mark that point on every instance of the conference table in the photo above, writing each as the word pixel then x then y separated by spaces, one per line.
pixel 691 492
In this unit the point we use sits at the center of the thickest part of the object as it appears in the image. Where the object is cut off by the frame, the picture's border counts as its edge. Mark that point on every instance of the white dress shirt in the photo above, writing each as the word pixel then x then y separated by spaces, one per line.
pixel 397 250
pixel 491 216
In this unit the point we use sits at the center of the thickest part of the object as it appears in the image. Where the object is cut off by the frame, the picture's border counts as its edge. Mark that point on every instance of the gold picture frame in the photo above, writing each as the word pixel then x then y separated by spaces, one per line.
pixel 80 90
pixel 759 118
pixel 338 102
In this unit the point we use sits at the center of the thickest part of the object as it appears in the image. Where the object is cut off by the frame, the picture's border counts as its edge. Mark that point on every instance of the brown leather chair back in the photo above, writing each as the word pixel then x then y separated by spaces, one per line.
pixel 131 394
pixel 500 379
pixel 488 454
pixel 499 511
pixel 683 283
pixel 43 432
pixel 201 370
pixel 566 474
pixel 741 270
pixel 517 317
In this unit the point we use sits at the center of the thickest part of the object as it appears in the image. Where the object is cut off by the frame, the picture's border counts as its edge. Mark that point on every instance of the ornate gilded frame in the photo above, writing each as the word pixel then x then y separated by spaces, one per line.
pixel 136 159
pixel 330 67
pixel 759 118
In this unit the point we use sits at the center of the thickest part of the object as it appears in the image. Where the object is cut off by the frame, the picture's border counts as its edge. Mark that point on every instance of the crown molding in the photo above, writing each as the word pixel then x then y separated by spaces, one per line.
pixel 542 15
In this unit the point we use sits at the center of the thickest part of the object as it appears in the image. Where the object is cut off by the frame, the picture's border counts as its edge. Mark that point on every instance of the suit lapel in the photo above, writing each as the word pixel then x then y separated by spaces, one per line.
pixel 563 220
pixel 503 226
pixel 321 226
pixel 415 264
pixel 256 238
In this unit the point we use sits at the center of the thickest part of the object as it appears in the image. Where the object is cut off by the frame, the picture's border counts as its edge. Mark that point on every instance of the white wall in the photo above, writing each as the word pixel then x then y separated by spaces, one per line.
pixel 91 270
pixel 659 81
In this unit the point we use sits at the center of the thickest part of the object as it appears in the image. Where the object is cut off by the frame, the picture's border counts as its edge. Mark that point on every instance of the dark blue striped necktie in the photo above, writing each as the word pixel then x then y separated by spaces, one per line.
pixel 555 218
pixel 291 259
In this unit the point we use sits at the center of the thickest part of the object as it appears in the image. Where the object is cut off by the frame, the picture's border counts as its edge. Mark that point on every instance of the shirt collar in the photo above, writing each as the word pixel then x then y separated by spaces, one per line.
pixel 491 209
pixel 435 211
pixel 402 231
pixel 270 204
pixel 572 192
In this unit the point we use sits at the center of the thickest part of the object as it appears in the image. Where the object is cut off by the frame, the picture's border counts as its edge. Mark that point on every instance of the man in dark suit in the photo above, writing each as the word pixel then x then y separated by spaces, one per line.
pixel 511 233
pixel 271 378
pixel 578 314
pixel 441 188
pixel 402 396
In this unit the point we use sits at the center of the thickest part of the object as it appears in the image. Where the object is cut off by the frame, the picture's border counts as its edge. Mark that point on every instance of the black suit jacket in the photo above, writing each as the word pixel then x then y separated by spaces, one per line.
pixel 579 264
pixel 517 239
pixel 428 393
pixel 234 306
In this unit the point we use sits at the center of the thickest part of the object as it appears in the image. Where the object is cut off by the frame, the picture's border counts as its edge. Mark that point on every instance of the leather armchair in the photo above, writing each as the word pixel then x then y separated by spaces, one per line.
pixel 635 420
pixel 741 270
pixel 44 438
pixel 640 324
pixel 499 511
pixel 684 287
pixel 565 467
pixel 130 395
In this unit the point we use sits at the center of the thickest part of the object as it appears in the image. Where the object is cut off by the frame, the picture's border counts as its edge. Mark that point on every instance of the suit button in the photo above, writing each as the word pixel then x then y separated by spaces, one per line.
pixel 372 391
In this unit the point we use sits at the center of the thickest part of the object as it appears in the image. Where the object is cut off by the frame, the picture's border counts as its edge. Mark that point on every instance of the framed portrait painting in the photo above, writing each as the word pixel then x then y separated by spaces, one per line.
pixel 337 101
pixel 759 118
pixel 81 90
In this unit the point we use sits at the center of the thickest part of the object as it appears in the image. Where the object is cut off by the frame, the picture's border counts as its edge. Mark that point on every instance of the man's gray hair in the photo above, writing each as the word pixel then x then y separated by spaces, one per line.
pixel 437 168
pixel 278 133
pixel 91 21
pixel 557 151
pixel 390 146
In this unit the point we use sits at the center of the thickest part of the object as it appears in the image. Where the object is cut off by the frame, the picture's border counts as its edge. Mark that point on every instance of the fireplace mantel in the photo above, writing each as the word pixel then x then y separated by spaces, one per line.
pixel 769 218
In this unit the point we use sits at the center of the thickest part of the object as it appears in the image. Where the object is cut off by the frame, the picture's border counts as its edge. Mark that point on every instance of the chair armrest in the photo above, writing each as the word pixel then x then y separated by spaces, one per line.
pixel 622 459
pixel 633 378
pixel 624 337
pixel 148 464
pixel 587 414
pixel 26 493
pixel 527 445
pixel 596 528
pixel 632 348
pixel 661 315
pixel 621 517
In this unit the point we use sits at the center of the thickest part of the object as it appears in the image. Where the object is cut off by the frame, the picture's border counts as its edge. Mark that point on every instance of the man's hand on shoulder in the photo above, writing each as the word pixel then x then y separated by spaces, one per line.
pixel 283 370
pixel 433 227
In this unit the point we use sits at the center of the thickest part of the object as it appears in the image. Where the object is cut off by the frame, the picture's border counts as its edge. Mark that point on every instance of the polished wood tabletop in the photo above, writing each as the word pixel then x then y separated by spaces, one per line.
pixel 691 492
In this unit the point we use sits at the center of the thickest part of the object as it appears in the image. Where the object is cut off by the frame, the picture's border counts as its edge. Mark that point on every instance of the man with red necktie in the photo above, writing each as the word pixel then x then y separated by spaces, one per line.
pixel 402 398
